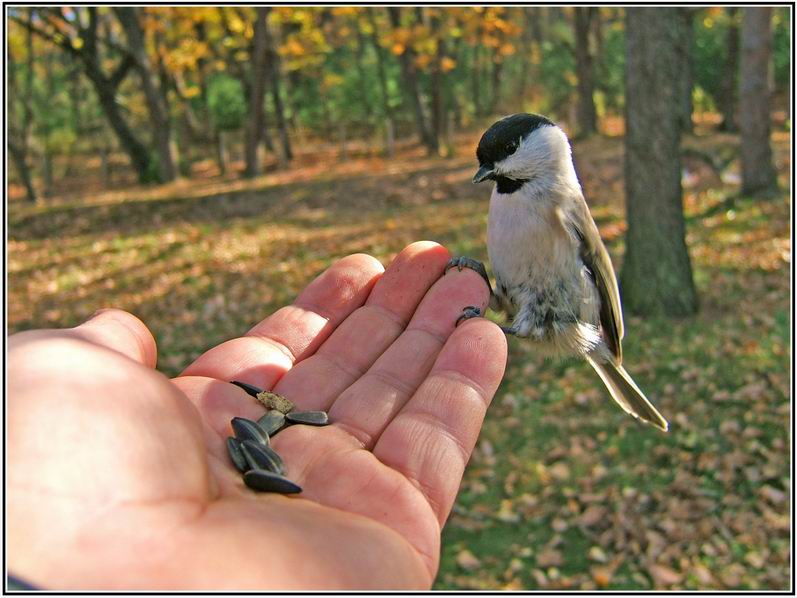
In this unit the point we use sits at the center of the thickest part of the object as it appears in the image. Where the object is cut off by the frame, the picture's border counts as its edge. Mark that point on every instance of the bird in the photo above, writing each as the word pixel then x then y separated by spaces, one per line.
pixel 553 275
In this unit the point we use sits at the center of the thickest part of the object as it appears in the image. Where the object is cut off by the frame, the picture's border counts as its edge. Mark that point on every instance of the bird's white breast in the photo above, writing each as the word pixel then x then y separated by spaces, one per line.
pixel 526 241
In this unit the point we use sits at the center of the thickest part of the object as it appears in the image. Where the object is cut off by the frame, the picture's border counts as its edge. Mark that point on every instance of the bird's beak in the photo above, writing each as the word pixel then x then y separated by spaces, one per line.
pixel 484 172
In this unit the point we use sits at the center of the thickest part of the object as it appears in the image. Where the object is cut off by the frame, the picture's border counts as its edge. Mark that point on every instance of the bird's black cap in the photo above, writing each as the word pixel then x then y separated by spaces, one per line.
pixel 501 139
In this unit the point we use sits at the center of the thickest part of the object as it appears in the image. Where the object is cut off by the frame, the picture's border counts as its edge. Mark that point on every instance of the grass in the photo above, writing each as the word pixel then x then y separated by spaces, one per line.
pixel 564 490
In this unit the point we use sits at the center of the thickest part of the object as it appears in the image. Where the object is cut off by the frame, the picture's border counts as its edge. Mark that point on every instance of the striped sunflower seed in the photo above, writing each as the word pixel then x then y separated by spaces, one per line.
pixel 262 457
pixel 251 390
pixel 246 429
pixel 267 481
pixel 271 400
pixel 272 422
pixel 237 456
pixel 313 418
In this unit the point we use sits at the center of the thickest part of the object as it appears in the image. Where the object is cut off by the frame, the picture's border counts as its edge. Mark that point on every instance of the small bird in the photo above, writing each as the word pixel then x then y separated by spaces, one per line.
pixel 553 275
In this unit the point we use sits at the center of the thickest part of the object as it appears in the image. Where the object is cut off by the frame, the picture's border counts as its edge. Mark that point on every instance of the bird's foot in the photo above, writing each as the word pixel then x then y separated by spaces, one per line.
pixel 467 262
pixel 468 313
pixel 509 330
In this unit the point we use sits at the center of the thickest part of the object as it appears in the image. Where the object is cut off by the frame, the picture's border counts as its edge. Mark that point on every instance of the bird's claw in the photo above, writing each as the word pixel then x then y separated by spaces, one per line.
pixel 468 312
pixel 467 262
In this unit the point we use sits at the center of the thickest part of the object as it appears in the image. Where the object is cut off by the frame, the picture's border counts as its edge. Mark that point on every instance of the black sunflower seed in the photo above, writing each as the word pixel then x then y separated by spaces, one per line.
pixel 252 390
pixel 266 481
pixel 237 456
pixel 262 457
pixel 272 422
pixel 313 418
pixel 246 429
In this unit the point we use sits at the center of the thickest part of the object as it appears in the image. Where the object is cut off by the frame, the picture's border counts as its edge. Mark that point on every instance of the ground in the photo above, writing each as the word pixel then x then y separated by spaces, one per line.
pixel 564 490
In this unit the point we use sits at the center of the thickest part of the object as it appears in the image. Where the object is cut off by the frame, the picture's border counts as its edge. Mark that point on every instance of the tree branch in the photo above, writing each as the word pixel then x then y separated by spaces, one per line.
pixel 121 70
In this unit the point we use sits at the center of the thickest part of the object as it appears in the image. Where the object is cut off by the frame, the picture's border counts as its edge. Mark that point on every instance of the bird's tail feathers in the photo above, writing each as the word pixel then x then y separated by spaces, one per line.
pixel 627 393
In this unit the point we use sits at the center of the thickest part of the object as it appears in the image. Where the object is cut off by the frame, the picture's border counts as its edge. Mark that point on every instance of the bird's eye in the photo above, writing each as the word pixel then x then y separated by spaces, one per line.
pixel 511 147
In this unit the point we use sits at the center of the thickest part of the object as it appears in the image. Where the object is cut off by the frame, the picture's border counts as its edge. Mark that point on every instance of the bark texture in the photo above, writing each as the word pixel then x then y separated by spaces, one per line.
pixel 727 96
pixel 758 172
pixel 587 117
pixel 657 275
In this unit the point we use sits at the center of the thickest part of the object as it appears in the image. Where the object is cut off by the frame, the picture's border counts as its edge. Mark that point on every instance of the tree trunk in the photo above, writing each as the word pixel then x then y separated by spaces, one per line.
pixel 587 117
pixel 23 170
pixel 18 136
pixel 221 152
pixel 360 62
pixel 276 92
pixel 254 125
pixel 686 78
pixel 758 172
pixel 656 274
pixel 498 67
pixel 156 101
pixel 475 84
pixel 105 86
pixel 410 76
pixel 438 88
pixel 727 96
pixel 387 111
pixel 137 151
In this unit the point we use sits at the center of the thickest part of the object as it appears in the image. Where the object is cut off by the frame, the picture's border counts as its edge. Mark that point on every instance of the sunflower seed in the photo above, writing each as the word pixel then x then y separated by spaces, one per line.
pixel 266 481
pixel 238 459
pixel 272 422
pixel 272 400
pixel 246 429
pixel 313 418
pixel 252 390
pixel 262 457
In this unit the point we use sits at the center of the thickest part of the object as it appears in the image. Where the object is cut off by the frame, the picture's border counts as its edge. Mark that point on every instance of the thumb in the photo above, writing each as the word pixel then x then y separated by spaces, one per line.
pixel 122 332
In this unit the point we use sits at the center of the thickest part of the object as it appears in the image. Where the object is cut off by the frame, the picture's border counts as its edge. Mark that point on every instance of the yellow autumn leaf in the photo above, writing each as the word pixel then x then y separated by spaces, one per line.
pixel 448 64
pixel 506 49
pixel 423 61
pixel 398 49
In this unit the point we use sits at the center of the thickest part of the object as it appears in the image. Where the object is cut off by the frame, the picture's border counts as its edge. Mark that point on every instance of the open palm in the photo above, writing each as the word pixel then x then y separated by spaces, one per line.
pixel 119 477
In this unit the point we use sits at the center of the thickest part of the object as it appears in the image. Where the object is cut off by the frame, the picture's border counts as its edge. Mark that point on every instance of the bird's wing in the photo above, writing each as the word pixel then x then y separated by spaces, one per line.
pixel 599 264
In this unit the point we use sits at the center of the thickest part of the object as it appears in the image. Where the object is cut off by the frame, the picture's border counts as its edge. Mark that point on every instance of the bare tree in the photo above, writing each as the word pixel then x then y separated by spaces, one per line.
pixel 412 88
pixel 758 172
pixel 153 92
pixel 685 75
pixel 254 125
pixel 587 117
pixel 729 88
pixel 19 127
pixel 657 274
pixel 64 32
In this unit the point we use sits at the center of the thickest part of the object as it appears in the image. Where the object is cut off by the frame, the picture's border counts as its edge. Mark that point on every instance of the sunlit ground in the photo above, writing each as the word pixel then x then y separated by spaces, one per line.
pixel 564 490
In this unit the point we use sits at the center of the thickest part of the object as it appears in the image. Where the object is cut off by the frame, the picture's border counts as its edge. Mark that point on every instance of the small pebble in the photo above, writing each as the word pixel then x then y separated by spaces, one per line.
pixel 267 481
pixel 313 418
pixel 272 422
pixel 262 457
pixel 246 429
pixel 238 459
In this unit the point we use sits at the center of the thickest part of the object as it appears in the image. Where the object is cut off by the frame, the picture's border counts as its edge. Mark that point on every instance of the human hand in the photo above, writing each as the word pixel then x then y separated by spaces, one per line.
pixel 119 478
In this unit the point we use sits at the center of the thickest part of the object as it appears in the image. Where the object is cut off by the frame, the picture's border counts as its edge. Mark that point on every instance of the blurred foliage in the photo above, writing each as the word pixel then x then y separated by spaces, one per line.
pixel 482 61
pixel 226 102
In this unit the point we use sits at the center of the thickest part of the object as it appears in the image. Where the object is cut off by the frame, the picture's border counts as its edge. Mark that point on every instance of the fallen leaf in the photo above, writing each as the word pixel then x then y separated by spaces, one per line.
pixel 549 557
pixel 592 515
pixel 663 576
pixel 467 560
